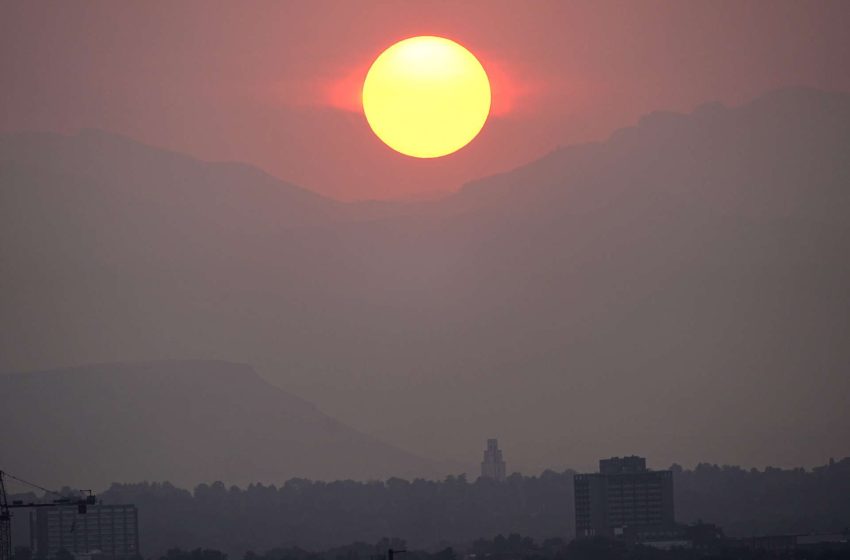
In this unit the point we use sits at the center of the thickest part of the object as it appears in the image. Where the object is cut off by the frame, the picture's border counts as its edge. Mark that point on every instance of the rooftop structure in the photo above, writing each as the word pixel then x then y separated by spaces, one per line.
pixel 493 465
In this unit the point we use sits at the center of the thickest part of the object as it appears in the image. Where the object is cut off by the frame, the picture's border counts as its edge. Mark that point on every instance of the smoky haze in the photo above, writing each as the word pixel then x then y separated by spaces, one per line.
pixel 182 421
pixel 677 291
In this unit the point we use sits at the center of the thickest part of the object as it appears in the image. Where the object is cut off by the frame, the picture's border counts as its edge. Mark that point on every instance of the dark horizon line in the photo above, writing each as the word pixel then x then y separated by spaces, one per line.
pixel 455 478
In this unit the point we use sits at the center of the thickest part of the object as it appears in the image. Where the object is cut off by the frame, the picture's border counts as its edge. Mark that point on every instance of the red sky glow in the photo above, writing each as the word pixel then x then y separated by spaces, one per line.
pixel 277 84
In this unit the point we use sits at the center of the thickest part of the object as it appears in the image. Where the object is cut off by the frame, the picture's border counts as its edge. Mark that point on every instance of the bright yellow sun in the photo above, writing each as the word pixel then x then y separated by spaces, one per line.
pixel 426 97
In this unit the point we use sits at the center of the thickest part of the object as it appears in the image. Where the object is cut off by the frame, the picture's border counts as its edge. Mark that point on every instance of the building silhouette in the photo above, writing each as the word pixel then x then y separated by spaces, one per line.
pixel 493 465
pixel 108 532
pixel 624 497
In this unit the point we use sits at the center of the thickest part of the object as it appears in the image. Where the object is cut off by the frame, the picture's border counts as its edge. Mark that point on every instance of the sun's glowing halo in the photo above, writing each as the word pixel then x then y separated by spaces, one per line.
pixel 426 96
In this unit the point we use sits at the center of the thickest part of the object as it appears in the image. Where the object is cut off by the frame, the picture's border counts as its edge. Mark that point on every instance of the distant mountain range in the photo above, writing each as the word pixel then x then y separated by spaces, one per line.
pixel 678 291
pixel 186 421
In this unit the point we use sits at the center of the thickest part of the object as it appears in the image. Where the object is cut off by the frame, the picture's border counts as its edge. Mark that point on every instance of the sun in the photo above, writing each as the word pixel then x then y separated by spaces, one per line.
pixel 426 97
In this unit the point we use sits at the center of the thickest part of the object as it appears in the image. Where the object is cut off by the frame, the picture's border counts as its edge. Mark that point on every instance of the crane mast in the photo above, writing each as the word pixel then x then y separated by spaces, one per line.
pixel 6 507
pixel 5 522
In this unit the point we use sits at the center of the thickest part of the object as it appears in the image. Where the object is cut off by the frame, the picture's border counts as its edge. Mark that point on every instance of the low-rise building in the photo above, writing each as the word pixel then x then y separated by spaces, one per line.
pixel 110 532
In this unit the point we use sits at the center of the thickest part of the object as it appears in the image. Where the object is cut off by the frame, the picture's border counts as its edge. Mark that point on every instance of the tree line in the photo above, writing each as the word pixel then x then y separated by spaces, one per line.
pixel 436 515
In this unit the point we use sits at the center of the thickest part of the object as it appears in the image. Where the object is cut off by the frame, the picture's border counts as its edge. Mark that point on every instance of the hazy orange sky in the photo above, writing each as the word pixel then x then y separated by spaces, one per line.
pixel 276 84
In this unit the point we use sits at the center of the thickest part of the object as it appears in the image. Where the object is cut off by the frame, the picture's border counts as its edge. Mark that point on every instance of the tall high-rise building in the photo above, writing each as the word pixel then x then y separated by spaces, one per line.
pixel 623 495
pixel 493 465
pixel 107 532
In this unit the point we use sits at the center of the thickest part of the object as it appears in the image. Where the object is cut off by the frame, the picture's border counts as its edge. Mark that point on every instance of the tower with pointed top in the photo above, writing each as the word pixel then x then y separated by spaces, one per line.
pixel 493 465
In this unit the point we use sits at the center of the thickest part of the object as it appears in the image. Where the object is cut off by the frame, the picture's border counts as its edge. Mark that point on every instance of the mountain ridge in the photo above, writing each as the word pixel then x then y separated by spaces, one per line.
pixel 178 420
pixel 685 272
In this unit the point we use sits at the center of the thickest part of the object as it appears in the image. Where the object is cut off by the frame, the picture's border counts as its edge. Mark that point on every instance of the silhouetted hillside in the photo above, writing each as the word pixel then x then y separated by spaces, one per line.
pixel 180 421
pixel 677 291
pixel 117 177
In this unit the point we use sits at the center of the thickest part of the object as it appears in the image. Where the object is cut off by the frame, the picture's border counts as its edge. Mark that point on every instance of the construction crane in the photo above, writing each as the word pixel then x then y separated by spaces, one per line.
pixel 6 507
